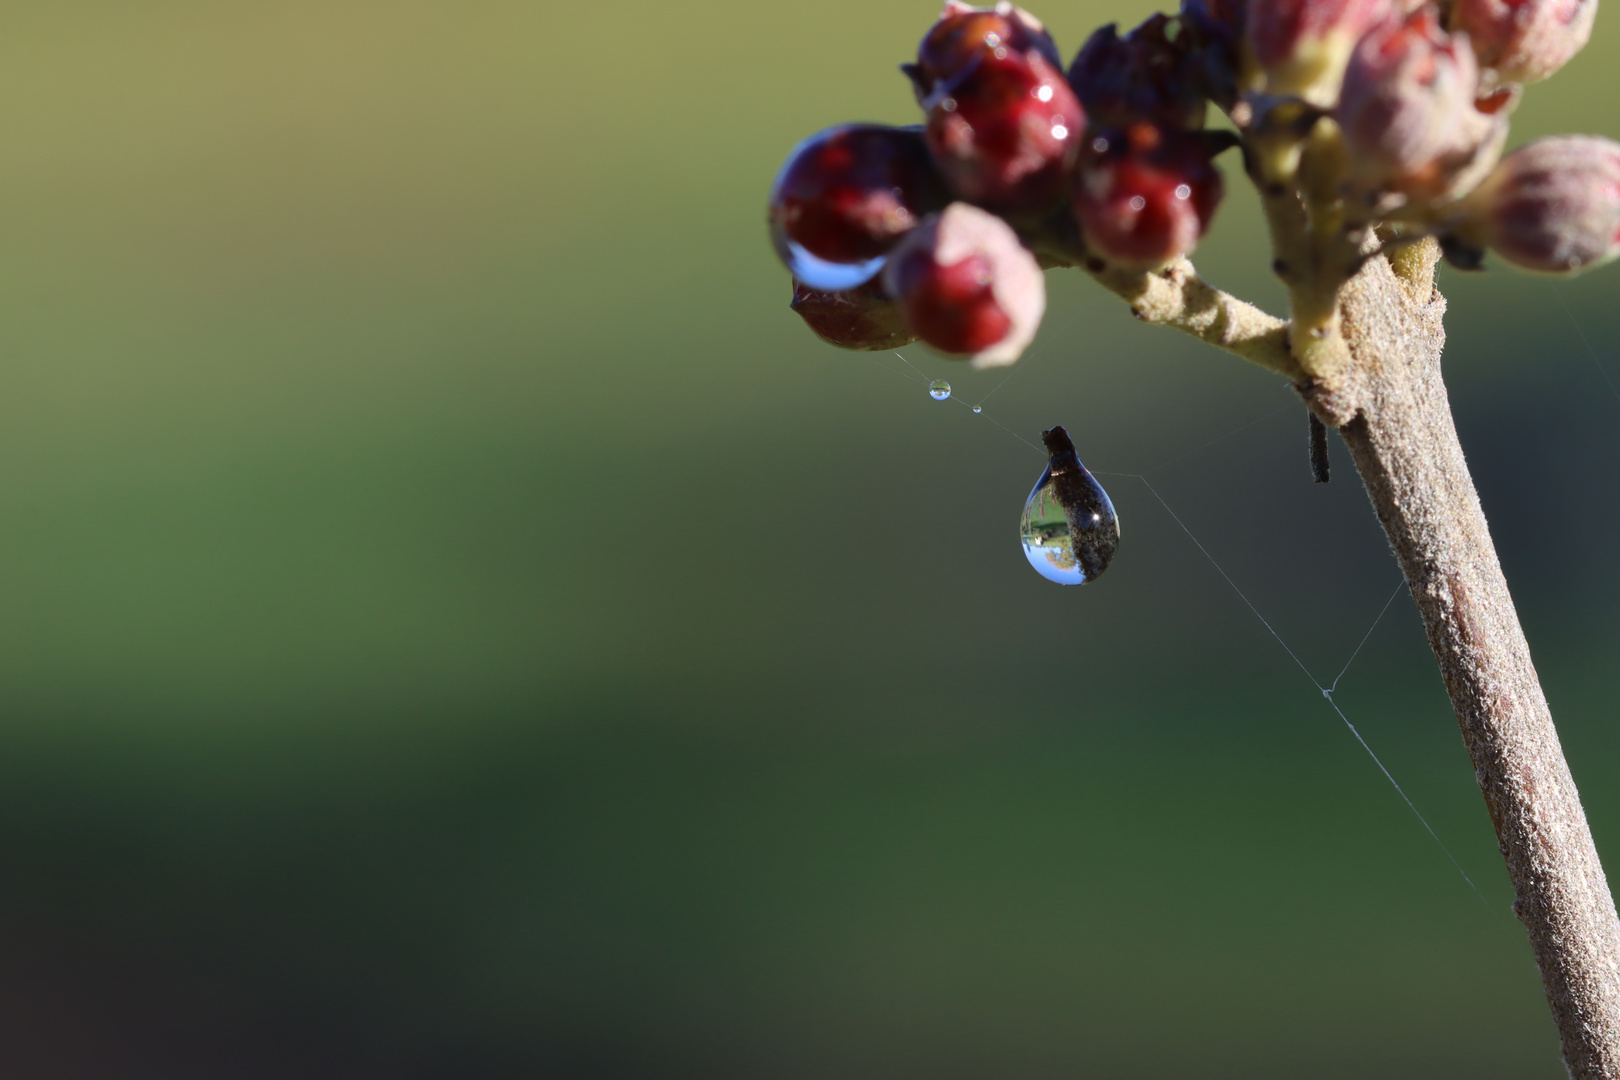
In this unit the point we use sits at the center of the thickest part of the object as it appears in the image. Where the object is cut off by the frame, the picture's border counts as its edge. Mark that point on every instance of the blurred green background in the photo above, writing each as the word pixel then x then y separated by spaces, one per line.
pixel 456 622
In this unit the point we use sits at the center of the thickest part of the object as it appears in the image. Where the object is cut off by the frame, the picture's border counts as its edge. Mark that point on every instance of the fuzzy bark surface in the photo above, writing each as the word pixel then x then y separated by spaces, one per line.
pixel 1391 408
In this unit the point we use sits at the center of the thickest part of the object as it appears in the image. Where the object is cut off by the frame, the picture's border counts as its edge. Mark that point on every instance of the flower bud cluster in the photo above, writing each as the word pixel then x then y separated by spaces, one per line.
pixel 928 232
pixel 1369 111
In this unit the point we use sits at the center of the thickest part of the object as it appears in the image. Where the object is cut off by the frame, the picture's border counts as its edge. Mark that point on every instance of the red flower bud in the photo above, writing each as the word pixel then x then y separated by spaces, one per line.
pixel 1145 195
pixel 1520 41
pixel 1303 45
pixel 846 196
pixel 1006 131
pixel 1552 205
pixel 1150 74
pixel 964 34
pixel 968 285
pixel 1408 112
pixel 864 317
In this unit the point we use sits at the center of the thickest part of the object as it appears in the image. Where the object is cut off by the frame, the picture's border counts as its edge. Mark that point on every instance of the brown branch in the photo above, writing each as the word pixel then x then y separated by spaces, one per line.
pixel 1391 408
pixel 1178 298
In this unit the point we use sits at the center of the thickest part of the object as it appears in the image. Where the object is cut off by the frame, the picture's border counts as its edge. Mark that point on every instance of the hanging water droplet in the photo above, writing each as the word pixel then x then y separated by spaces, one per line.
pixel 939 389
pixel 1069 529
pixel 977 409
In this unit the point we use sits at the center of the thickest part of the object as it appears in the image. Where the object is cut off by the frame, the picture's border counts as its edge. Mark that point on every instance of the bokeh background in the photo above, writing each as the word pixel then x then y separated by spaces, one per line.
pixel 456 622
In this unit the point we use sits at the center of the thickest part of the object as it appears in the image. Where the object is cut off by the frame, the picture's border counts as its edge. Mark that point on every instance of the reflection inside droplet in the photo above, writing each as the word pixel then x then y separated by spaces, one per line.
pixel 1069 529
pixel 977 409
pixel 939 390
pixel 819 273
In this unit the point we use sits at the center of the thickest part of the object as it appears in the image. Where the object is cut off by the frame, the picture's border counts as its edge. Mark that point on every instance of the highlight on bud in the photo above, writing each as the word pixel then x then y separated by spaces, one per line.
pixel 968 286
pixel 1006 130
pixel 846 196
pixel 864 317
pixel 965 34
pixel 1146 195
pixel 1521 41
pixel 1408 110
pixel 1152 73
pixel 1304 45
pixel 1552 205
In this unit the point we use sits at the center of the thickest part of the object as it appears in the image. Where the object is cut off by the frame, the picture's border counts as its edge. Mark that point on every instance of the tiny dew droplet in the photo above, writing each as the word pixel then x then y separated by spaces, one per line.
pixel 977 409
pixel 939 389
pixel 1069 529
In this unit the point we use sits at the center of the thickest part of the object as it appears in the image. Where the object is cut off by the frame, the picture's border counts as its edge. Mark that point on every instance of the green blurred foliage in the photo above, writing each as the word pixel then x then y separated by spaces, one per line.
pixel 457 623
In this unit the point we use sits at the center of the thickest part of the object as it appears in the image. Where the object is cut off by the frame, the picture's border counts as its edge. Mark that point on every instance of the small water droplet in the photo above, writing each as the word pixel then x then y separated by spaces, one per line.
pixel 939 389
pixel 1183 191
pixel 977 409
pixel 1137 202
pixel 1069 529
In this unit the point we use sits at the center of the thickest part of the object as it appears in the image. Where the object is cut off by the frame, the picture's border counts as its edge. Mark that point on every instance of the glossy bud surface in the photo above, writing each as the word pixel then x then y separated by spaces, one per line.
pixel 968 286
pixel 1006 131
pixel 845 197
pixel 1145 195
pixel 964 35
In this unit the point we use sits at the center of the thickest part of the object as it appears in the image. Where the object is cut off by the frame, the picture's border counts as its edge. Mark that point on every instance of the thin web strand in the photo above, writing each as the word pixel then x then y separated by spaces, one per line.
pixel 1328 696
pixel 1229 580
pixel 914 367
pixel 1222 438
pixel 1368 634
pixel 1591 352
pixel 1327 692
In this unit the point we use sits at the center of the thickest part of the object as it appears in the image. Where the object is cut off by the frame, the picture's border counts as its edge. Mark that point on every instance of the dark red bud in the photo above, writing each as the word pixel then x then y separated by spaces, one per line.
pixel 1146 195
pixel 1303 45
pixel 963 34
pixel 968 286
pixel 1153 73
pixel 864 317
pixel 846 196
pixel 1006 131
pixel 1552 205
pixel 1520 41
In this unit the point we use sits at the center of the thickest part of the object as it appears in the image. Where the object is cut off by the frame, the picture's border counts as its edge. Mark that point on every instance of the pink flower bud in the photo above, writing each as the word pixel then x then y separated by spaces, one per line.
pixel 963 34
pixel 967 285
pixel 1552 205
pixel 1006 131
pixel 1408 112
pixel 1145 195
pixel 846 196
pixel 1520 41
pixel 864 317
pixel 1303 45
pixel 1152 74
